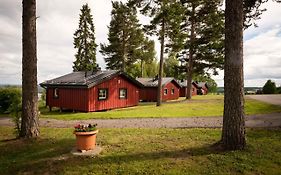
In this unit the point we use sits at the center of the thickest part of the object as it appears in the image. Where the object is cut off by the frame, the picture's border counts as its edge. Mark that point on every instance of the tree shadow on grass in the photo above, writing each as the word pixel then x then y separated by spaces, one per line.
pixel 52 156
pixel 19 155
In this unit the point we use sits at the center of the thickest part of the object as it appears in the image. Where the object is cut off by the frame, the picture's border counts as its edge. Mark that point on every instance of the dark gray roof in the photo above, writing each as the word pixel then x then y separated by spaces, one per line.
pixel 86 79
pixel 152 82
pixel 201 84
pixel 183 83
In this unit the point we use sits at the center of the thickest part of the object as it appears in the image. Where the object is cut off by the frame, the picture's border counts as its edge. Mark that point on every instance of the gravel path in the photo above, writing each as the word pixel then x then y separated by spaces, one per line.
pixel 254 121
pixel 272 99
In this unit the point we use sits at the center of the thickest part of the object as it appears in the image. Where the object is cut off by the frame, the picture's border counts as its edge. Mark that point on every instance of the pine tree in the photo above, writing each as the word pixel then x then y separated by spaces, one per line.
pixel 163 14
pixel 233 132
pixel 200 38
pixel 147 54
pixel 269 87
pixel 84 42
pixel 127 43
pixel 30 120
pixel 171 66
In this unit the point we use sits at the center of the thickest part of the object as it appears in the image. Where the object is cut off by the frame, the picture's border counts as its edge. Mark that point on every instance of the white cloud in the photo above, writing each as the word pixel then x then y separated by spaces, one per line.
pixel 59 19
pixel 262 53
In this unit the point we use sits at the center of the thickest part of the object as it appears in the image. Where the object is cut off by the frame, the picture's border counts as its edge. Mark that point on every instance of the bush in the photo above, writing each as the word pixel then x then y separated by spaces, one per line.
pixel 269 87
pixel 279 90
pixel 9 98
pixel 10 103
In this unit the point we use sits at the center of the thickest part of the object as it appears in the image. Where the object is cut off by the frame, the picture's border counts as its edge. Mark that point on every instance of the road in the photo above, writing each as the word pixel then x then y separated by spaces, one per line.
pixel 253 121
pixel 272 99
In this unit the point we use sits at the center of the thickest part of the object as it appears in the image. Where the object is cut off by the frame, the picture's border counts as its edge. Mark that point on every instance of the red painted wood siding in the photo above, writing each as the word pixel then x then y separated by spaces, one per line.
pixel 150 94
pixel 183 91
pixel 205 90
pixel 69 98
pixel 170 96
pixel 113 100
pixel 83 99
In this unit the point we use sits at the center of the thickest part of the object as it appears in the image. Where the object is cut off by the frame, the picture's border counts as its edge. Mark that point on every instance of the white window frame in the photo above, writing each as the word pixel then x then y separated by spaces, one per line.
pixel 172 91
pixel 165 91
pixel 102 93
pixel 56 93
pixel 123 93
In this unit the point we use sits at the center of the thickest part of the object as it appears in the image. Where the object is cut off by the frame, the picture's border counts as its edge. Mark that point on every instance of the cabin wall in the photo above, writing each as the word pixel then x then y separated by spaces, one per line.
pixel 169 95
pixel 150 93
pixel 183 91
pixel 113 101
pixel 204 90
pixel 68 98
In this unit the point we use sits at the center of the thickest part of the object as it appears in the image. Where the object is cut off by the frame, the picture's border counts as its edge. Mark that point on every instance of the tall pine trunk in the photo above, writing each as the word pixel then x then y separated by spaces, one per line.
pixel 233 133
pixel 142 67
pixel 190 56
pixel 160 74
pixel 29 123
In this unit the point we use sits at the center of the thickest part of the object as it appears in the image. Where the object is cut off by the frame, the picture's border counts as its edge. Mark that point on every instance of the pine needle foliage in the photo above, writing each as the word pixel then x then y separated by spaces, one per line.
pixel 84 42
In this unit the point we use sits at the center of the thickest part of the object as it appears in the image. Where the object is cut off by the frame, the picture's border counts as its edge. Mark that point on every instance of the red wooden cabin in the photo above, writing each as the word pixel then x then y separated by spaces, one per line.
pixel 170 89
pixel 203 87
pixel 183 88
pixel 198 88
pixel 92 91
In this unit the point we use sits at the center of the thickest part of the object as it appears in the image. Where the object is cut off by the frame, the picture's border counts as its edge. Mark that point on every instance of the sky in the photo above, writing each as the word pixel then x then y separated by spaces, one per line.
pixel 58 21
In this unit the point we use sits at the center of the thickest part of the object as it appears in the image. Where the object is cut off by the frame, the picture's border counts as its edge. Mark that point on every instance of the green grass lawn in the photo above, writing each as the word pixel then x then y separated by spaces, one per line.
pixel 199 106
pixel 141 151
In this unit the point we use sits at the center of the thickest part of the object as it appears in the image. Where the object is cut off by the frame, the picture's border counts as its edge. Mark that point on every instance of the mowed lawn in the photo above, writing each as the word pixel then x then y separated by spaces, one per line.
pixel 199 106
pixel 141 151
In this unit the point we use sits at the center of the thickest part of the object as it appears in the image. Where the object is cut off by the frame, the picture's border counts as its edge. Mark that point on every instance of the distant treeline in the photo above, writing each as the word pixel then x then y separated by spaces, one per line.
pixel 40 89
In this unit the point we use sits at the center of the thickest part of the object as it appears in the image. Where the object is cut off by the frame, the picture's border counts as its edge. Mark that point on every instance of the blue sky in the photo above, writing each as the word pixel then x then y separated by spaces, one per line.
pixel 57 22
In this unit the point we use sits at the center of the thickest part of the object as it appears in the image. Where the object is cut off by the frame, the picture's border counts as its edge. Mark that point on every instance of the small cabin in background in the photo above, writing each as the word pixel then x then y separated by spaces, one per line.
pixel 198 88
pixel 170 89
pixel 183 88
pixel 203 88
pixel 92 91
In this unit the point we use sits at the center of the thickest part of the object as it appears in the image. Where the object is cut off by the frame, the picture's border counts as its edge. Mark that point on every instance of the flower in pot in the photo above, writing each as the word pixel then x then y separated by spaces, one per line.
pixel 85 136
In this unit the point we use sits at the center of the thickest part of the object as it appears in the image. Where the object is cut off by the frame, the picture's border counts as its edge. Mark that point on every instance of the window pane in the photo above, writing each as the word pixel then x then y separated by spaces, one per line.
pixel 102 94
pixel 123 93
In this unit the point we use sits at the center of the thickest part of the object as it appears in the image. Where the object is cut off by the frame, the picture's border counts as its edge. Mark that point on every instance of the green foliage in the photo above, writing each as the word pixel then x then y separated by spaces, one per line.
pixel 127 43
pixel 171 67
pixel 278 90
pixel 252 11
pixel 212 85
pixel 9 98
pixel 10 102
pixel 269 87
pixel 208 44
pixel 84 42
pixel 141 151
pixel 85 128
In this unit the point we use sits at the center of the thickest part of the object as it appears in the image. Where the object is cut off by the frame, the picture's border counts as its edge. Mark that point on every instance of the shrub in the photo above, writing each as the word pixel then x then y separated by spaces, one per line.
pixel 279 90
pixel 10 102
pixel 9 98
pixel 269 87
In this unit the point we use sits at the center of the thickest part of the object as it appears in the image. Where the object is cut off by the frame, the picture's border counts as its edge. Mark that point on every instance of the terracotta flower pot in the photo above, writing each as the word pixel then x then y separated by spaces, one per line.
pixel 86 140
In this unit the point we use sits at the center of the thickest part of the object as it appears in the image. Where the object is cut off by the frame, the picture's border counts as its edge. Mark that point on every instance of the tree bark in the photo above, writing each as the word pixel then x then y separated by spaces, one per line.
pixel 29 123
pixel 233 133
pixel 190 56
pixel 159 90
pixel 141 68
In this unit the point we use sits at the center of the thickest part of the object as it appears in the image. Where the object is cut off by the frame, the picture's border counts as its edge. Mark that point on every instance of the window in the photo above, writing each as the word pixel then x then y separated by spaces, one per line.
pixel 56 93
pixel 103 93
pixel 172 91
pixel 165 91
pixel 123 93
